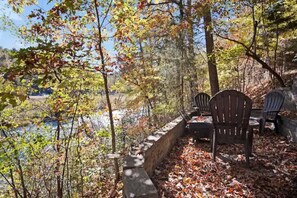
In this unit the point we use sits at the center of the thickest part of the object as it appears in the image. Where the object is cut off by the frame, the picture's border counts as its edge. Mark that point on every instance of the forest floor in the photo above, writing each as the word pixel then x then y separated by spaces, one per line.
pixel 189 171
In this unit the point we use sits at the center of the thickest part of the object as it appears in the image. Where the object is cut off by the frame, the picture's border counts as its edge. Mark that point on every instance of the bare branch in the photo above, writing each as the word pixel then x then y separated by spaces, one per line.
pixel 233 40
pixel 256 57
pixel 107 11
pixel 11 184
pixel 162 3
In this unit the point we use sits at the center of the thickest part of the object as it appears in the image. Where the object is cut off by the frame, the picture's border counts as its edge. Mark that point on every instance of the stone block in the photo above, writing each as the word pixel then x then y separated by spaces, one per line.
pixel 288 128
pixel 138 184
pixel 146 156
pixel 133 162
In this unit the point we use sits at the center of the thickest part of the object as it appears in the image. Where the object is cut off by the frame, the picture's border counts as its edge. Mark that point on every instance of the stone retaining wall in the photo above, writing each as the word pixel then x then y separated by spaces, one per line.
pixel 145 157
pixel 288 128
pixel 290 94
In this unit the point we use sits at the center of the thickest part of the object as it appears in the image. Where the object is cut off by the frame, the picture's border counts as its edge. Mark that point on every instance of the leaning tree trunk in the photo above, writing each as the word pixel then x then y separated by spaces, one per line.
pixel 266 66
pixel 253 54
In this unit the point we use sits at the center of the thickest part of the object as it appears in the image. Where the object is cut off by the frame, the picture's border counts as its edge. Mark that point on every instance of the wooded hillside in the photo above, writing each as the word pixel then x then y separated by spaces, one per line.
pixel 145 58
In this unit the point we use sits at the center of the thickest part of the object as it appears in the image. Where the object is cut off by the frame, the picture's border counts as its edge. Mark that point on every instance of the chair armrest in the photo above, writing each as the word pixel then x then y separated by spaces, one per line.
pixel 270 111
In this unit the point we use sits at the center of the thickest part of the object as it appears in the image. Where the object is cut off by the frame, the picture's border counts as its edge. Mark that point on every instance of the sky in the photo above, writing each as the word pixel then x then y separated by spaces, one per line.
pixel 9 40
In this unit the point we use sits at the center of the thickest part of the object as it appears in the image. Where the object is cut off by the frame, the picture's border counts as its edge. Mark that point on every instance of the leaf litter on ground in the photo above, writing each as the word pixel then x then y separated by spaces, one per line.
pixel 189 171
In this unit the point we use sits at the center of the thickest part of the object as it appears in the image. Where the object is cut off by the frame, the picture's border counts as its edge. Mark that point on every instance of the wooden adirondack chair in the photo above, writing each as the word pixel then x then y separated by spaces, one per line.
pixel 202 103
pixel 273 102
pixel 231 110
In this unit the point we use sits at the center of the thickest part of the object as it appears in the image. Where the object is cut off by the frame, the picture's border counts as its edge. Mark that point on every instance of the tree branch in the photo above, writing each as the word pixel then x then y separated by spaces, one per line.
pixel 107 11
pixel 162 3
pixel 12 185
pixel 233 40
pixel 256 57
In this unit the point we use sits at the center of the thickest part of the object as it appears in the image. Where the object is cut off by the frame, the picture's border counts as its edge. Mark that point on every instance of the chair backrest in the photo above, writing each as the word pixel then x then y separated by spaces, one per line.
pixel 202 102
pixel 273 102
pixel 230 110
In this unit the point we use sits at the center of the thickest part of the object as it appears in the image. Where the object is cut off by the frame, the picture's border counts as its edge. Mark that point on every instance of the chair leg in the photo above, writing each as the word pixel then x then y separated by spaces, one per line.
pixel 214 148
pixel 250 142
pixel 262 125
pixel 275 127
pixel 247 154
pixel 276 123
pixel 211 144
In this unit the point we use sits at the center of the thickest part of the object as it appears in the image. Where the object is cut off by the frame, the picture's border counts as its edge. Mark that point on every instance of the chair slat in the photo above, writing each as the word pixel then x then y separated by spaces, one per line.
pixel 202 102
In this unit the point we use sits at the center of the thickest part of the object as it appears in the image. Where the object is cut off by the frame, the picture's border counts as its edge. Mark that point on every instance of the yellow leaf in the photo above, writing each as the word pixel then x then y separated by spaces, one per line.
pixel 186 180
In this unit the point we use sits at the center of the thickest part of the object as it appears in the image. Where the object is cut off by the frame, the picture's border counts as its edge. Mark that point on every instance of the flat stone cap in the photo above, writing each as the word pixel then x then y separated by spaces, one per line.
pixel 133 162
pixel 138 184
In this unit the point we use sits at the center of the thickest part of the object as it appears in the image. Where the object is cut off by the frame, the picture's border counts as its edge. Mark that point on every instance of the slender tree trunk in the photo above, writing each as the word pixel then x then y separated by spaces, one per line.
pixel 57 168
pixel 104 74
pixel 19 165
pixel 78 150
pixel 22 178
pixel 13 184
pixel 67 151
pixel 211 61
pixel 113 136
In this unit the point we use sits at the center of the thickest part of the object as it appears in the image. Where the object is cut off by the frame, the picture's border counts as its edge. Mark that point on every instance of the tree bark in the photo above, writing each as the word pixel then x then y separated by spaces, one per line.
pixel 57 168
pixel 104 74
pixel 211 61
pixel 182 53
pixel 191 52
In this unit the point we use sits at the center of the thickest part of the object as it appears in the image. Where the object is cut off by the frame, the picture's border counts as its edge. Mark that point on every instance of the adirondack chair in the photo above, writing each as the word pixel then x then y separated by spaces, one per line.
pixel 273 102
pixel 202 103
pixel 231 110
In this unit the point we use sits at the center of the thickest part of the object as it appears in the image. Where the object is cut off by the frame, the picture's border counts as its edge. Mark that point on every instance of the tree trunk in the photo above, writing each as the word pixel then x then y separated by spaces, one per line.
pixel 211 61
pixel 20 169
pixel 182 53
pixel 104 74
pixel 13 184
pixel 191 52
pixel 57 168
